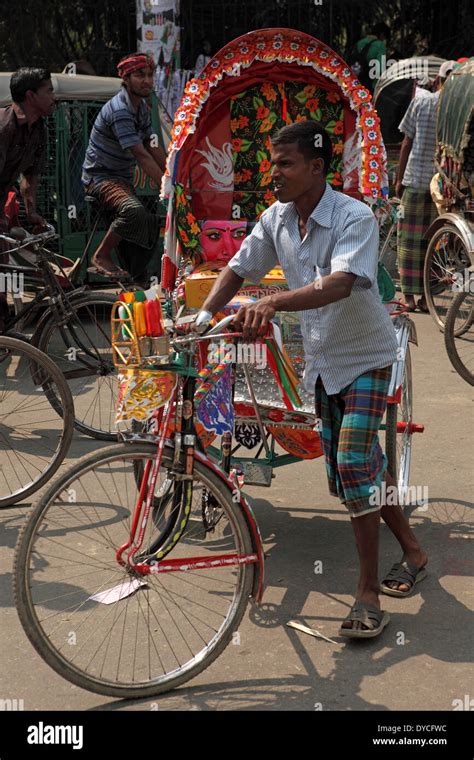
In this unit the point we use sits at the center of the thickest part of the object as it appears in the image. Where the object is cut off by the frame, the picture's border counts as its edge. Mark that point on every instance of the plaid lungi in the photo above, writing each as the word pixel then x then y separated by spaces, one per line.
pixel 355 462
pixel 417 211
pixel 132 221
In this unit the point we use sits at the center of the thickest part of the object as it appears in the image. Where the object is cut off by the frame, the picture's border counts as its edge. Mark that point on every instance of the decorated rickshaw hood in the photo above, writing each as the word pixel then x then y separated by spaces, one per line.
pixel 285 46
pixel 455 113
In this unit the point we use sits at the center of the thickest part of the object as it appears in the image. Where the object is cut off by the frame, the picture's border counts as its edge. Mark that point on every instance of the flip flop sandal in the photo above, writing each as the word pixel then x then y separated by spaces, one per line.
pixel 112 274
pixel 422 307
pixel 402 572
pixel 368 615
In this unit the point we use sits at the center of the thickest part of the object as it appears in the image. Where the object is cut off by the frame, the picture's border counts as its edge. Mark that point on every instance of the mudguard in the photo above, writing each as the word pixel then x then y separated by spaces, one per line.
pixel 465 229
pixel 406 333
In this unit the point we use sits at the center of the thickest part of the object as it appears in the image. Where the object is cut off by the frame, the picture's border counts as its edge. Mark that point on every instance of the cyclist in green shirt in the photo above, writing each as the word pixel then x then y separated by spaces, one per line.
pixel 373 48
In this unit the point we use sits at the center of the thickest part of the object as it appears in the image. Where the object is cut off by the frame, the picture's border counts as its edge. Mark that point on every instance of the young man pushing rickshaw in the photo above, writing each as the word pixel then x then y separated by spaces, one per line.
pixel 327 246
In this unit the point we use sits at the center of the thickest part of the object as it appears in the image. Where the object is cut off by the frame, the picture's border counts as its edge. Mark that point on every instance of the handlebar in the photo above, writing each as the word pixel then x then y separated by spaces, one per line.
pixel 40 237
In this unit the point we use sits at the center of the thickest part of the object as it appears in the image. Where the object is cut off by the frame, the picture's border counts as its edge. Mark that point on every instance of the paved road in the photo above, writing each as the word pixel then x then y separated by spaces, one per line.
pixel 423 661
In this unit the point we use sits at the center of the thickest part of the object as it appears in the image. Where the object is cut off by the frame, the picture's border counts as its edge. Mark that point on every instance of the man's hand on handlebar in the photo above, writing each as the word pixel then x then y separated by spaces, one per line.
pixel 37 222
pixel 254 319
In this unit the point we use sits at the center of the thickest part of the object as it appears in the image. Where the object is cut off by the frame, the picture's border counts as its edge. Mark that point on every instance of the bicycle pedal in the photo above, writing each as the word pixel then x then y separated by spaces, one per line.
pixel 257 473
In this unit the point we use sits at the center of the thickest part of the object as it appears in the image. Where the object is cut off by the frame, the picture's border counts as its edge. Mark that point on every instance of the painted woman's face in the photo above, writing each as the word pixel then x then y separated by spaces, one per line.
pixel 220 240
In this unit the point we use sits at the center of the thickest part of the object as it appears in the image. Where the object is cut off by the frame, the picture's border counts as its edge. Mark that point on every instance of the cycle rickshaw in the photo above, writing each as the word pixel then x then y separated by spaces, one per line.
pixel 450 252
pixel 156 548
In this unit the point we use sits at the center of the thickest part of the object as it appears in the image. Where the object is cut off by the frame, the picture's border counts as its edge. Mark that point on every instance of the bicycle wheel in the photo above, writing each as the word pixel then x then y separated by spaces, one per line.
pixel 445 257
pixel 398 437
pixel 459 335
pixel 172 625
pixel 33 439
pixel 82 349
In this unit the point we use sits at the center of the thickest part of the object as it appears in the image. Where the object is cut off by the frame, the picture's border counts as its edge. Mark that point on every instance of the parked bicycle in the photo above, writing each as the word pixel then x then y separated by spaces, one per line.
pixel 34 439
pixel 73 328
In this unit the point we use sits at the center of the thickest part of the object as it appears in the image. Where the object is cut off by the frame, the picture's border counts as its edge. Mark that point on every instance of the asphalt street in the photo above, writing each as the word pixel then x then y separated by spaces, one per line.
pixel 422 661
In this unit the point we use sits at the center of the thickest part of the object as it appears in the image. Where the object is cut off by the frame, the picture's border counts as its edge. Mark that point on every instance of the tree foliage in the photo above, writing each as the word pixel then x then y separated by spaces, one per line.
pixel 52 33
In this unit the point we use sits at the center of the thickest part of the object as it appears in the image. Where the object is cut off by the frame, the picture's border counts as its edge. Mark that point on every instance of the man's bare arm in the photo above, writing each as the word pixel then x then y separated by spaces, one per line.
pixel 157 153
pixel 254 319
pixel 223 290
pixel 405 149
pixel 147 162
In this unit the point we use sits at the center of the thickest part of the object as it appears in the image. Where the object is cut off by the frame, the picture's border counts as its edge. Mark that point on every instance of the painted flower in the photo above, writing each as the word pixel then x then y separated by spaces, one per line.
pixel 243 121
pixel 262 112
pixel 338 147
pixel 312 104
pixel 370 122
pixel 294 46
pixel 266 126
pixel 374 150
pixel 269 197
pixel 339 128
pixel 266 179
pixel 335 62
pixel 190 218
pixel 346 72
pixel 373 177
pixel 186 101
pixel 194 87
pixel 268 92
pixel 237 144
pixel 195 229
pixel 243 50
pixel 309 90
pixel 184 236
pixel 260 46
pixel 182 115
pixel 265 166
pixel 177 129
pixel 362 93
pixel 311 49
pixel 246 175
pixel 214 65
pixel 333 97
pixel 323 53
pixel 277 45
pixel 229 55
pixel 355 83
pixel 268 143
pixel 372 134
pixel 234 124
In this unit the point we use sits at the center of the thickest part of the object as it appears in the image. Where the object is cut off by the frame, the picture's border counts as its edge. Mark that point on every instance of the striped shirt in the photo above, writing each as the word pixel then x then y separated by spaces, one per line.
pixel 419 124
pixel 117 128
pixel 344 339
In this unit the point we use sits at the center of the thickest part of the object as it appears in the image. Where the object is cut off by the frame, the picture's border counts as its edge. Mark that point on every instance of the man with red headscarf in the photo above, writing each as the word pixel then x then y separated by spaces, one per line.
pixel 122 137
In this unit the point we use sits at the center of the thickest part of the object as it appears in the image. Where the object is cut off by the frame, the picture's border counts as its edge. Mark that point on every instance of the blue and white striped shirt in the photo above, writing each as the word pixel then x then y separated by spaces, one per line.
pixel 117 128
pixel 348 337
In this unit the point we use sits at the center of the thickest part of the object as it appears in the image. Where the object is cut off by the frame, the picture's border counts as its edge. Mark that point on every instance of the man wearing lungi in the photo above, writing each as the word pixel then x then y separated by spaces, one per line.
pixel 415 172
pixel 121 138
pixel 327 245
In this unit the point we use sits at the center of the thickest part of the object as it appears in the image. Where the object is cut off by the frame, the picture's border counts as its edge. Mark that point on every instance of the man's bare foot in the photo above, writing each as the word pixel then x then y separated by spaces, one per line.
pixel 106 267
pixel 418 559
pixel 410 302
pixel 365 597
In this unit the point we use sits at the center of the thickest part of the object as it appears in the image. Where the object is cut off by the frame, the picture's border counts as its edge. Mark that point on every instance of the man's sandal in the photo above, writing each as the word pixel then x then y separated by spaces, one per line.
pixel 368 615
pixel 114 273
pixel 404 573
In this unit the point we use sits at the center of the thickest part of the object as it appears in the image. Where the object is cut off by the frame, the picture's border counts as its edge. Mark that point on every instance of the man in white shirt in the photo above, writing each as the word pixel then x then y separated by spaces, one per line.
pixel 327 245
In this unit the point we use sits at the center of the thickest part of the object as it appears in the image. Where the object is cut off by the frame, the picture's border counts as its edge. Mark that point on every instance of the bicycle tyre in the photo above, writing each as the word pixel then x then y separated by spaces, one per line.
pixel 24 578
pixel 49 377
pixel 101 425
pixel 438 262
pixel 453 338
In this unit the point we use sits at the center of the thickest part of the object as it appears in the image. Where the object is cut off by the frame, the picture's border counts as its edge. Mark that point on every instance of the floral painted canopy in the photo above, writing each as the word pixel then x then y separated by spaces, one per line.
pixel 219 156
